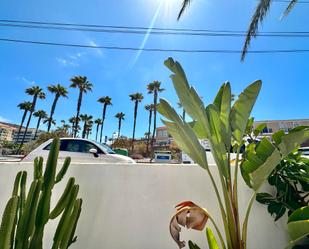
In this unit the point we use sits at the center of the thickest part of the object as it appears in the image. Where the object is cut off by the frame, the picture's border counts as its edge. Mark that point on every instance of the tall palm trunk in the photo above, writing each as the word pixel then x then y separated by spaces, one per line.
pixel 97 131
pixel 134 124
pixel 155 99
pixel 119 127
pixel 149 127
pixel 28 122
pixel 84 130
pixel 52 112
pixel 21 124
pixel 79 103
pixel 103 118
pixel 37 127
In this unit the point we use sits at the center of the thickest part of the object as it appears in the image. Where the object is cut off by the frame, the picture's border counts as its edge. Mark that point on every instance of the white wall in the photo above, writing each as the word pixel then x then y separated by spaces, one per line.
pixel 129 207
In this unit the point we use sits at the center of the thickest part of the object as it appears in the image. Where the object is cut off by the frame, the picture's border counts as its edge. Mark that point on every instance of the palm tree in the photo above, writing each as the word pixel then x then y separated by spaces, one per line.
pixel 59 91
pixel 258 17
pixel 40 114
pixel 136 98
pixel 82 83
pixel 87 121
pixel 89 128
pixel 49 120
pixel 26 106
pixel 36 92
pixel 105 101
pixel 120 116
pixel 154 88
pixel 149 108
pixel 72 120
pixel 98 122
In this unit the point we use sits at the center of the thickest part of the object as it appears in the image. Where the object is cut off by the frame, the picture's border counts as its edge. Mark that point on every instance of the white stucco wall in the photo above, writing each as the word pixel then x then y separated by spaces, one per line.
pixel 129 207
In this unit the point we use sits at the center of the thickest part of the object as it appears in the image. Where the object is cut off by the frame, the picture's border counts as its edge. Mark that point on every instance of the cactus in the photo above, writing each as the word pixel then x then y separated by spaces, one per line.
pixel 26 215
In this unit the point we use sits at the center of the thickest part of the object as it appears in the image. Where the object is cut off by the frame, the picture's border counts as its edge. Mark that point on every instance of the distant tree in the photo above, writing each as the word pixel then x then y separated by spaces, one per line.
pixel 136 98
pixel 72 121
pixel 36 92
pixel 40 114
pixel 105 101
pixel 89 128
pixel 82 83
pixel 87 119
pixel 98 122
pixel 120 117
pixel 149 108
pixel 59 91
pixel 49 120
pixel 26 107
pixel 154 88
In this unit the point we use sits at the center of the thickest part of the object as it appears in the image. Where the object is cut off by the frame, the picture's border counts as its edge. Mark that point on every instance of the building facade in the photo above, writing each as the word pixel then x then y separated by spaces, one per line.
pixel 272 126
pixel 162 136
pixel 29 135
pixel 9 132
pixel 6 132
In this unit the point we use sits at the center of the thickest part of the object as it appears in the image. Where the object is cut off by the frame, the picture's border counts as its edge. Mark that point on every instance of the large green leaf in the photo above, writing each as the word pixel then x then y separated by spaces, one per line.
pixel 292 140
pixel 217 137
pixel 242 108
pixel 187 95
pixel 258 165
pixel 298 224
pixel 183 134
pixel 212 242
pixel 223 102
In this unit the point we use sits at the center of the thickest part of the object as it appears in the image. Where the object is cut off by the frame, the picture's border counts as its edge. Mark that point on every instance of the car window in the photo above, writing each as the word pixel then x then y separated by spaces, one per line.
pixel 75 146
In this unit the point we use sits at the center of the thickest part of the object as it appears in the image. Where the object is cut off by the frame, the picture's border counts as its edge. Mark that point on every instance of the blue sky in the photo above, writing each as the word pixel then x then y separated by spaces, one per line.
pixel 119 73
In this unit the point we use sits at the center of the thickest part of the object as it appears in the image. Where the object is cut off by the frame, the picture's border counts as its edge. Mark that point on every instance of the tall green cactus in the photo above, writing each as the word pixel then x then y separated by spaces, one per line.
pixel 25 216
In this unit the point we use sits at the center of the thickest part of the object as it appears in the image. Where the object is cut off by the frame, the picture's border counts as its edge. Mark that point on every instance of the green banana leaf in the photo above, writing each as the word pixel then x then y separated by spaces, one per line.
pixel 259 163
pixel 223 103
pixel 242 108
pixel 187 95
pixel 183 134
pixel 217 137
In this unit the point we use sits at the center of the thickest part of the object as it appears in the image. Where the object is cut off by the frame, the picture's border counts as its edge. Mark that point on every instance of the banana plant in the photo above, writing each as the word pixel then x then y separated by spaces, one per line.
pixel 26 215
pixel 298 226
pixel 224 124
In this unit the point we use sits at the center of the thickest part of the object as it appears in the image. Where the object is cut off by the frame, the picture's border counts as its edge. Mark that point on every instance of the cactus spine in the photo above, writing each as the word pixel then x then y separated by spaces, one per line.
pixel 26 215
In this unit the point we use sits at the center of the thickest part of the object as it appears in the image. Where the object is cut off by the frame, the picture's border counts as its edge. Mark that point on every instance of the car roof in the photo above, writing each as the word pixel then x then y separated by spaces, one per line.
pixel 74 138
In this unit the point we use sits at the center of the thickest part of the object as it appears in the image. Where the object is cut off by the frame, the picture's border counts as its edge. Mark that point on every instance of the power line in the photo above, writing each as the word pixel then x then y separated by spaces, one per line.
pixel 221 51
pixel 287 1
pixel 133 29
pixel 141 32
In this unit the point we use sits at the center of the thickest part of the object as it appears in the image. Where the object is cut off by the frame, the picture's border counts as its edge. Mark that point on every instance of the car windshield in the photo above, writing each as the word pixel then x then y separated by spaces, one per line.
pixel 106 148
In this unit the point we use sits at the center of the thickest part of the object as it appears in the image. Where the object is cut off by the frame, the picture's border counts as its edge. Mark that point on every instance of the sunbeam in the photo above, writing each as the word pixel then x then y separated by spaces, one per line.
pixel 148 32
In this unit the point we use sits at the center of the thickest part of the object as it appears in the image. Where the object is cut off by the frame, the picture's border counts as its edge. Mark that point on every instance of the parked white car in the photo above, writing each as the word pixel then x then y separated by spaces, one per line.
pixel 80 150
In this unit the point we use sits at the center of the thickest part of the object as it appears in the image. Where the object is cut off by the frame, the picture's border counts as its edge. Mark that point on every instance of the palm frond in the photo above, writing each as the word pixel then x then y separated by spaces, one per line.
pixel 258 17
pixel 185 5
pixel 289 8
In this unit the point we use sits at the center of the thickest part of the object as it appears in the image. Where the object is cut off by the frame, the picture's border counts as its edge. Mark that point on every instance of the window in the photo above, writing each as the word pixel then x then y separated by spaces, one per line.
pixel 75 146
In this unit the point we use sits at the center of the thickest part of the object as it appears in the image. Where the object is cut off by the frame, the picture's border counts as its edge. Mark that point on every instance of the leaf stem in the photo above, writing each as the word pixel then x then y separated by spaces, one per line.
pixel 245 224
